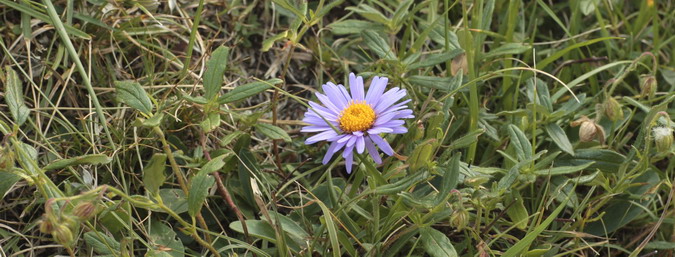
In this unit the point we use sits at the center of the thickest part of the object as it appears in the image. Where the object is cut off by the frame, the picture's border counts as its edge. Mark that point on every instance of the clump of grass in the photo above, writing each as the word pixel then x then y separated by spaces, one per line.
pixel 173 128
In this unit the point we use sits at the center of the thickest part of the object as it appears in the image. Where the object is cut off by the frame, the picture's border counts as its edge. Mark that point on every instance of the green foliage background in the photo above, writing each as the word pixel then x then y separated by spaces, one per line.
pixel 171 128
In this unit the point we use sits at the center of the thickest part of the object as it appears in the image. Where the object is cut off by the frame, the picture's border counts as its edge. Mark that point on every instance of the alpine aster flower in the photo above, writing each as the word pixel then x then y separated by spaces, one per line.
pixel 356 121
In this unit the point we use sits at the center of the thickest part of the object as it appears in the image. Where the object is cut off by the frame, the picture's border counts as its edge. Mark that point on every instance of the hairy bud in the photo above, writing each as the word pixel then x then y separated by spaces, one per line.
pixel 612 109
pixel 84 210
pixel 589 130
pixel 459 219
pixel 647 85
pixel 663 137
pixel 46 226
pixel 63 235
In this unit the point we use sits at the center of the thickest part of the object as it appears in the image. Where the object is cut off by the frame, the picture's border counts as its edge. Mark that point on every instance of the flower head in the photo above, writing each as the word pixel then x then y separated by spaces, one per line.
pixel 355 121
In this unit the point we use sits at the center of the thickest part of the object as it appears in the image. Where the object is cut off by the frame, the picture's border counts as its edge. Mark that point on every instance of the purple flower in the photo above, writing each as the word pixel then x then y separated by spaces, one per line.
pixel 357 120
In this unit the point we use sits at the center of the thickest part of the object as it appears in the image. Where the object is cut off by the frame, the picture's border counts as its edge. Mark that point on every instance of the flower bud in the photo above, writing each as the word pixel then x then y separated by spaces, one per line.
pixel 6 159
pixel 663 137
pixel 84 210
pixel 647 85
pixel 589 130
pixel 459 219
pixel 63 235
pixel 612 109
pixel 46 226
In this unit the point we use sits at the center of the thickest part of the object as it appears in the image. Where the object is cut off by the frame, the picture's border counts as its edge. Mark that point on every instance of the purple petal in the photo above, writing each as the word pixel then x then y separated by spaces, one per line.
pixel 372 150
pixel 326 135
pixel 328 102
pixel 352 141
pixel 377 86
pixel 392 123
pixel 386 148
pixel 399 130
pixel 356 86
pixel 407 113
pixel 348 154
pixel 334 147
pixel 326 112
pixel 378 130
pixel 345 94
pixel 384 118
pixel 335 95
pixel 345 138
pixel 360 144
pixel 389 98
pixel 315 128
pixel 314 120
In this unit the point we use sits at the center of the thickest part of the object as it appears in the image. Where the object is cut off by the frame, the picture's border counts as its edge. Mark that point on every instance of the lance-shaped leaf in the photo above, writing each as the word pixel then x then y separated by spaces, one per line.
pixel 14 97
pixel 199 189
pixel 85 159
pixel 153 173
pixel 131 93
pixel 215 68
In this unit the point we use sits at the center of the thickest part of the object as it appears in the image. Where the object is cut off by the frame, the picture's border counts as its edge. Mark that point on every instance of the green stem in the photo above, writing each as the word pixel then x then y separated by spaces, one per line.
pixel 193 37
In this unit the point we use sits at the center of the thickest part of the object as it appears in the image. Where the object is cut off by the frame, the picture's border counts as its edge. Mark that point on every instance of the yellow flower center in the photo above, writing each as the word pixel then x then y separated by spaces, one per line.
pixel 358 116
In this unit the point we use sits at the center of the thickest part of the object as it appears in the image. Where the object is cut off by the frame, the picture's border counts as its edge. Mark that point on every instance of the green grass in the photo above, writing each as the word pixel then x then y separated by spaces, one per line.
pixel 172 128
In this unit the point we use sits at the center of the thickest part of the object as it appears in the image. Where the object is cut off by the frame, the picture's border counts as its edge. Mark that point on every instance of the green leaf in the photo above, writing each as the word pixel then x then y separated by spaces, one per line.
pixel 351 26
pixel 154 121
pixel 102 244
pixel 557 54
pixel 516 210
pixel 524 244
pixel 257 228
pixel 668 75
pixel 332 229
pixel 450 179
pixel 559 137
pixel 435 59
pixel 272 131
pixel 400 185
pixel 211 122
pixel 199 189
pixel 436 244
pixel 378 45
pixel 193 99
pixel 215 68
pixel 299 12
pixel 507 49
pixel 660 245
pixel 85 159
pixel 247 90
pixel 163 235
pixel 269 42
pixel 466 140
pixel 588 6
pixel 7 180
pixel 153 173
pixel 507 181
pixel 175 199
pixel 563 169
pixel 14 97
pixel 131 93
pixel 520 143
pixel 215 163
pixel 445 84
pixel 421 156
pixel 605 160
pixel 370 13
